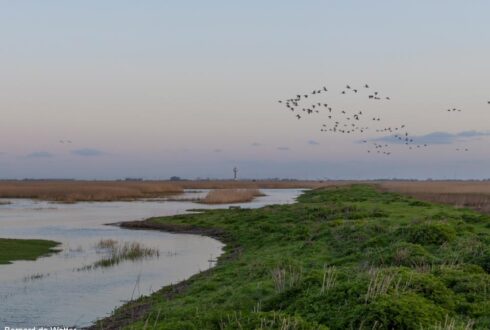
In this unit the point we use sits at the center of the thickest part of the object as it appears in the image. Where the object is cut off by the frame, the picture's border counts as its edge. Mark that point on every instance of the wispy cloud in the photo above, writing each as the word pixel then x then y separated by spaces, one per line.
pixel 256 144
pixel 313 142
pixel 218 150
pixel 40 154
pixel 88 152
pixel 437 137
pixel 283 148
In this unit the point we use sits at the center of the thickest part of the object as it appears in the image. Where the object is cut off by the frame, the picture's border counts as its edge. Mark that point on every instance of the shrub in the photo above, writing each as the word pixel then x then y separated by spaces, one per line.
pixel 407 311
pixel 428 233
pixel 430 287
pixel 401 254
pixel 474 218
pixel 483 260
pixel 418 203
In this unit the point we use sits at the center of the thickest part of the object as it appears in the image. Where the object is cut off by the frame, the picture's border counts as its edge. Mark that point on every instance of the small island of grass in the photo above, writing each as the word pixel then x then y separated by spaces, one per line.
pixel 24 249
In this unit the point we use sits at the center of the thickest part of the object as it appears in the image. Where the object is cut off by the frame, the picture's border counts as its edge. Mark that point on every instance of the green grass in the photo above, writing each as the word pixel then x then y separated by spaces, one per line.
pixel 346 258
pixel 24 249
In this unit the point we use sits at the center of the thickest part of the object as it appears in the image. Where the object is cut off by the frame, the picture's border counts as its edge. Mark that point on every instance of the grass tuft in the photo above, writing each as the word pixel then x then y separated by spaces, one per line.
pixel 117 253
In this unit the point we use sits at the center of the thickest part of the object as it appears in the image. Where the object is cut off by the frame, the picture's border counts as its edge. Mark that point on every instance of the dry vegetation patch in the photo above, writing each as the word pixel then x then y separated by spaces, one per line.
pixel 471 194
pixel 77 191
pixel 71 191
pixel 226 196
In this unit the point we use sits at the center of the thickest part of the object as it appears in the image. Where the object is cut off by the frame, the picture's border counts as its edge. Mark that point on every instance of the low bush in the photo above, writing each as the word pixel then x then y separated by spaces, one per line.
pixel 428 233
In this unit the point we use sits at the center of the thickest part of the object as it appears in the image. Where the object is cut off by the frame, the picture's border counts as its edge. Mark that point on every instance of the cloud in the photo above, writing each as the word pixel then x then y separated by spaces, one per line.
pixel 218 150
pixel 256 144
pixel 313 142
pixel 87 152
pixel 283 148
pixel 40 154
pixel 437 137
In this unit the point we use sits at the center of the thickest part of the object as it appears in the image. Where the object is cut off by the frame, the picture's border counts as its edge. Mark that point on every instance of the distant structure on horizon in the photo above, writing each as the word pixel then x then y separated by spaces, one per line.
pixel 235 173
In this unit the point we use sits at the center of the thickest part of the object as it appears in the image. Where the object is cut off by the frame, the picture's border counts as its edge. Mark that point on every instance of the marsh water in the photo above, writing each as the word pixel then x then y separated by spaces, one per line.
pixel 55 290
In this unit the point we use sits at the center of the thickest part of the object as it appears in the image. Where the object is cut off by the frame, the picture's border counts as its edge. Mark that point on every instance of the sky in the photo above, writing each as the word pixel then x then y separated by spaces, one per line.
pixel 153 89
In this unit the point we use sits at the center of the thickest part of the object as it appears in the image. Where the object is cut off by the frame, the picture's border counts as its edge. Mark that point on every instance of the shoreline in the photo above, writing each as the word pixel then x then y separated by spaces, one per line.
pixel 132 311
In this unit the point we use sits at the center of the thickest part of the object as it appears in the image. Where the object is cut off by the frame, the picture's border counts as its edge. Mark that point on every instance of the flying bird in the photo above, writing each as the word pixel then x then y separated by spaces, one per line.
pixel 352 120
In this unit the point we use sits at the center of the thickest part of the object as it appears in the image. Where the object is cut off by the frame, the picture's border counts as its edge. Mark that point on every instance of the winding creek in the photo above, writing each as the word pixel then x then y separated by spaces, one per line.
pixel 53 290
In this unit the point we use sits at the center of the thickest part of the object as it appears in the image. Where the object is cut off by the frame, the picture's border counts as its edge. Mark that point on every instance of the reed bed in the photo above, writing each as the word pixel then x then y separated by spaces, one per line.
pixel 72 191
pixel 470 194
pixel 77 191
pixel 106 244
pixel 226 196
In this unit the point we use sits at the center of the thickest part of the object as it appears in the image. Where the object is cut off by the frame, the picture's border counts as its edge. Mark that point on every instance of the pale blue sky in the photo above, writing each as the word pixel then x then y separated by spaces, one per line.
pixel 158 88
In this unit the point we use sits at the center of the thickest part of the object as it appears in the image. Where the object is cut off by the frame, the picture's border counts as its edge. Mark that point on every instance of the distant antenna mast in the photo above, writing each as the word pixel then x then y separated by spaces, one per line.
pixel 235 173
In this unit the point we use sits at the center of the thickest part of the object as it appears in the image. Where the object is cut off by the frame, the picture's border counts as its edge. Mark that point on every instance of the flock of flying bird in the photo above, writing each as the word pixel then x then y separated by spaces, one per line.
pixel 340 121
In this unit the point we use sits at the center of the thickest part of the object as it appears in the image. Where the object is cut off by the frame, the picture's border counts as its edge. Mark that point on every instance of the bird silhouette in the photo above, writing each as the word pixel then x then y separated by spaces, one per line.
pixel 354 122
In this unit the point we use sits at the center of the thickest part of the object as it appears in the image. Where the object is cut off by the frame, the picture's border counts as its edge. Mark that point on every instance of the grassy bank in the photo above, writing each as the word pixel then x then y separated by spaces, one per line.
pixel 348 258
pixel 24 249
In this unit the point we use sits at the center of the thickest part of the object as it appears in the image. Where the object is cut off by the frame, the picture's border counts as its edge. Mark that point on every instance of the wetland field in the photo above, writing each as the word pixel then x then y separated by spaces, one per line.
pixel 335 255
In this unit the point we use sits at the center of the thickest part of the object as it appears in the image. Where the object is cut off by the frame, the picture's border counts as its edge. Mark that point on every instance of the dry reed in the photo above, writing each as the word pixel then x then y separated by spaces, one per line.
pixel 329 278
pixel 226 196
pixel 383 281
pixel 471 194
pixel 286 277
pixel 70 191
pixel 76 191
